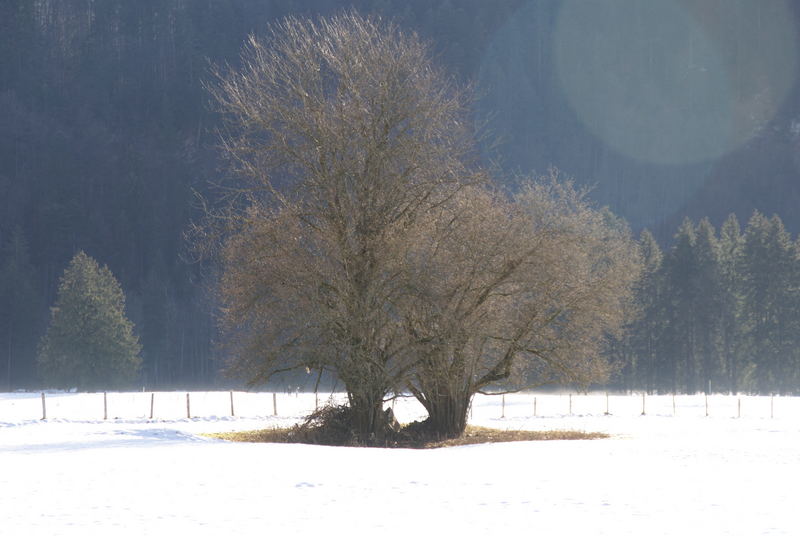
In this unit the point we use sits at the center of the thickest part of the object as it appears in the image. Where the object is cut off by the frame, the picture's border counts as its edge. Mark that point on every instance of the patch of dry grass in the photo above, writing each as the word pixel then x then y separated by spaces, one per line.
pixel 472 436
pixel 478 434
pixel 269 435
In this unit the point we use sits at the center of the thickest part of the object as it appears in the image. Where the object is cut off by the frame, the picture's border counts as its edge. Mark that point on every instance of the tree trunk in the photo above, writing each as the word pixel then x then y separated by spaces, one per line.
pixel 447 414
pixel 369 421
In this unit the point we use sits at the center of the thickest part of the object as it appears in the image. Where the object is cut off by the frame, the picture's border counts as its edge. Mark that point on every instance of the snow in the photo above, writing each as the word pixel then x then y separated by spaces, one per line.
pixel 667 472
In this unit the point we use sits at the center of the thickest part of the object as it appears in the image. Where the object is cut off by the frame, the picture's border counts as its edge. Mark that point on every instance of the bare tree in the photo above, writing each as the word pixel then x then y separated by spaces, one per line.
pixel 359 237
pixel 343 134
pixel 510 292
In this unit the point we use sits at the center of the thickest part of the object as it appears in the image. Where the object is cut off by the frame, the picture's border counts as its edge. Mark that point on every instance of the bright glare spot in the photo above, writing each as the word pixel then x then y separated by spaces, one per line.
pixel 675 82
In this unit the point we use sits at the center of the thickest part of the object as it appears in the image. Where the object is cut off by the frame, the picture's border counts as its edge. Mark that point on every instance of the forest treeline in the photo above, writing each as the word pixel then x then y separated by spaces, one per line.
pixel 106 133
pixel 719 311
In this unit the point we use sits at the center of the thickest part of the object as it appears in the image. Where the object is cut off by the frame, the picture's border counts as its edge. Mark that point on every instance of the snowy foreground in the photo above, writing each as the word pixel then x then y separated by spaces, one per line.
pixel 673 471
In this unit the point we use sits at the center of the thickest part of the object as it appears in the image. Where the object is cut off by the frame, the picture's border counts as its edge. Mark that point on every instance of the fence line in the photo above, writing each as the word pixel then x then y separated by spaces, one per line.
pixel 641 404
pixel 239 404
pixel 156 405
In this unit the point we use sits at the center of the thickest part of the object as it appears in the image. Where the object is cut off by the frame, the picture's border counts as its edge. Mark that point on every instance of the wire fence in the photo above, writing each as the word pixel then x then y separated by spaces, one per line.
pixel 605 404
pixel 241 404
pixel 157 405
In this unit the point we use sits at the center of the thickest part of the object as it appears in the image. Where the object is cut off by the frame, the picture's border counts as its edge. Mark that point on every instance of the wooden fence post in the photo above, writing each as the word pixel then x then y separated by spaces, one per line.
pixel 275 404
pixel 503 411
pixel 534 407
pixel 188 407
pixel 706 404
pixel 233 414
pixel 674 413
pixel 739 408
pixel 643 404
pixel 105 406
pixel 608 409
pixel 44 409
pixel 152 403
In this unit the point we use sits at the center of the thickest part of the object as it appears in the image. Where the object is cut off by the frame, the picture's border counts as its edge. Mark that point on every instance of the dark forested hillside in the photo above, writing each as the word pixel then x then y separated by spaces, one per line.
pixel 106 131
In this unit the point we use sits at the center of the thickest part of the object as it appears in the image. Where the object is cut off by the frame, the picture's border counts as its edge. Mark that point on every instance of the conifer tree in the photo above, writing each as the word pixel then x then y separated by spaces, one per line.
pixel 721 309
pixel 635 353
pixel 707 304
pixel 730 254
pixel 769 264
pixel 90 342
pixel 678 357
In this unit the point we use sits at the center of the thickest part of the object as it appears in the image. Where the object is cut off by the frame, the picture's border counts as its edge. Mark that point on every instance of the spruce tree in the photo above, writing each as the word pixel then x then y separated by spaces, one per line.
pixel 769 285
pixel 678 359
pixel 730 254
pixel 708 303
pixel 637 352
pixel 90 342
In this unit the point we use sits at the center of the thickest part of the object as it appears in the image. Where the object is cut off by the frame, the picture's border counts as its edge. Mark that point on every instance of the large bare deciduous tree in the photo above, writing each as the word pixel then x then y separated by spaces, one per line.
pixel 343 134
pixel 514 291
pixel 360 237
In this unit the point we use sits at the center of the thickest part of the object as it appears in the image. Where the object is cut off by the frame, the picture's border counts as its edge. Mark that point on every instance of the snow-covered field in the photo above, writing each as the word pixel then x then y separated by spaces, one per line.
pixel 672 471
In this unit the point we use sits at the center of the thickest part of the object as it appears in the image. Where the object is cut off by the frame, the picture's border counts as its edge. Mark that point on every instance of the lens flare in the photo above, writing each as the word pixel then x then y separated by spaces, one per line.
pixel 675 82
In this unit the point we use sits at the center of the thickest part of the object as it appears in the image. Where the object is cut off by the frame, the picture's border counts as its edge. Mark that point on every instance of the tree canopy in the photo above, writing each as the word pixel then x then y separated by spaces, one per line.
pixel 89 343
